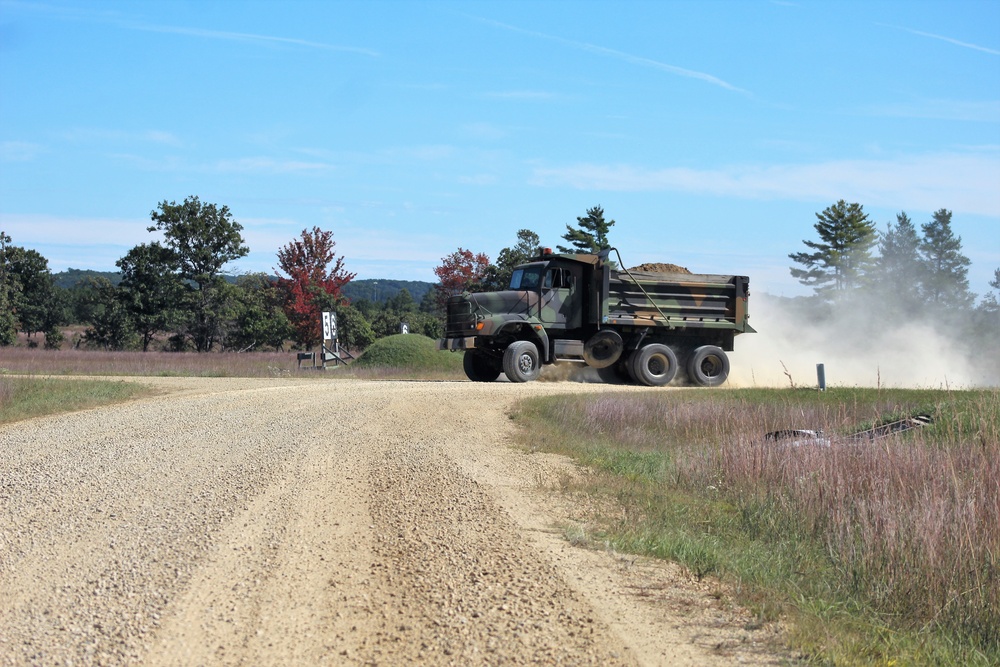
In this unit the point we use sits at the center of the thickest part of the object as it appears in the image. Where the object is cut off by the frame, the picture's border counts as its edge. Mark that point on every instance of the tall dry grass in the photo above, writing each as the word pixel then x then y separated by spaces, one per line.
pixel 905 530
pixel 397 357
pixel 910 525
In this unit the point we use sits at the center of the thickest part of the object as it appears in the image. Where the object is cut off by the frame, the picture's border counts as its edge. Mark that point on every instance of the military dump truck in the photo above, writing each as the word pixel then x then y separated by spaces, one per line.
pixel 632 326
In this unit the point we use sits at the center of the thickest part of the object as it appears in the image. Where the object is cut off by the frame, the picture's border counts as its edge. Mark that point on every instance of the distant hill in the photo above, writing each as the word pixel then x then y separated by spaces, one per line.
pixel 69 278
pixel 379 291
pixel 382 290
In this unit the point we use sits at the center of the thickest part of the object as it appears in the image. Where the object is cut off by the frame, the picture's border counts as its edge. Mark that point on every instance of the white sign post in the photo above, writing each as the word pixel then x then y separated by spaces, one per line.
pixel 330 333
pixel 327 328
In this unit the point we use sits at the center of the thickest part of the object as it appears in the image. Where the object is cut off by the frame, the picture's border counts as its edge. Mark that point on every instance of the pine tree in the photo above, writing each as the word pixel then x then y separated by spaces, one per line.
pixel 898 268
pixel 590 235
pixel 842 256
pixel 945 269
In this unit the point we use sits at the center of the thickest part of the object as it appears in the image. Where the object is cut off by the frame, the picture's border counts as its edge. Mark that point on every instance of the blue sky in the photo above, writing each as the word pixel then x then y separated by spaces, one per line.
pixel 712 132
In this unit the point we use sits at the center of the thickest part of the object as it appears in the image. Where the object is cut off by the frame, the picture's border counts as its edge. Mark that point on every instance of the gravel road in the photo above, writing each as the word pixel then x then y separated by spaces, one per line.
pixel 317 521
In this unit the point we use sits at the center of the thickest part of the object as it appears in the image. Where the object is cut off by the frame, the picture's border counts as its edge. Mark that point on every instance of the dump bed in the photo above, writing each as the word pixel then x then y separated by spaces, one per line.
pixel 678 300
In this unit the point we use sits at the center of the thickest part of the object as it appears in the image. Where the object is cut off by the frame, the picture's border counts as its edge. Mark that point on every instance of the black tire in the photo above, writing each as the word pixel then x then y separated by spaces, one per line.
pixel 616 374
pixel 603 349
pixel 708 366
pixel 480 367
pixel 521 362
pixel 654 365
pixel 630 367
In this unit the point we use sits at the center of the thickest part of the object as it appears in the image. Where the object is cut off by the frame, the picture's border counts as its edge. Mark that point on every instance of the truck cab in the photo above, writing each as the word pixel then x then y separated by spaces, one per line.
pixel 557 285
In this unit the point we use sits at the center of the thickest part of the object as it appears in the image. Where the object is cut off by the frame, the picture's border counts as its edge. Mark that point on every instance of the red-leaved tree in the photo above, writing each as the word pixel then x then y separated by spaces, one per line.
pixel 311 284
pixel 461 271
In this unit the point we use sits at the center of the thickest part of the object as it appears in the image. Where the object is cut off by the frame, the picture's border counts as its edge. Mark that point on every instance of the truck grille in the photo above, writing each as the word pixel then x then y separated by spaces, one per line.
pixel 461 319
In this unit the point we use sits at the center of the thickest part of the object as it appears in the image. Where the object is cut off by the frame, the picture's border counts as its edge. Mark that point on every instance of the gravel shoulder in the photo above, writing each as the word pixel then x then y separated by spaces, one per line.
pixel 237 521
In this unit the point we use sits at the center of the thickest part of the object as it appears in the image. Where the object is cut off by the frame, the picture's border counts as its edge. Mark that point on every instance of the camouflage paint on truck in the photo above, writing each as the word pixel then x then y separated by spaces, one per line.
pixel 639 326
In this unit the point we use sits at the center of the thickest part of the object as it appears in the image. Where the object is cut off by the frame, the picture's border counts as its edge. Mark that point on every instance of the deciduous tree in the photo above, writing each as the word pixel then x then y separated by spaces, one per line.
pixel 150 290
pixel 461 271
pixel 312 268
pixel 110 326
pixel 204 239
pixel 258 317
pixel 353 330
pixel 526 248
pixel 37 305
pixel 9 289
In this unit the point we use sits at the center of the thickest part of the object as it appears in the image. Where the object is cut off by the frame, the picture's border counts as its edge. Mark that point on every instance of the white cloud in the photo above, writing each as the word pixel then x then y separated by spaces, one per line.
pixel 487 131
pixel 247 37
pixel 32 230
pixel 520 95
pixel 987 111
pixel 478 179
pixel 19 151
pixel 266 165
pixel 962 182
pixel 104 135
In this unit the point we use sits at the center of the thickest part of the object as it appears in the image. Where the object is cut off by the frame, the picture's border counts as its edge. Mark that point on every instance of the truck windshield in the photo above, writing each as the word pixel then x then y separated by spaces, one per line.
pixel 524 279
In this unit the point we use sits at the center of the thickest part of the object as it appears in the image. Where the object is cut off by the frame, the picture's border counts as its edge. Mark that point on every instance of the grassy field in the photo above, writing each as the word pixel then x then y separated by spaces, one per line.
pixel 878 553
pixel 26 397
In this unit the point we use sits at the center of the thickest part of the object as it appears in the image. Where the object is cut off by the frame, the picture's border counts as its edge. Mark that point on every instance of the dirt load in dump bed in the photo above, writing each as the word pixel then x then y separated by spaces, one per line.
pixel 659 267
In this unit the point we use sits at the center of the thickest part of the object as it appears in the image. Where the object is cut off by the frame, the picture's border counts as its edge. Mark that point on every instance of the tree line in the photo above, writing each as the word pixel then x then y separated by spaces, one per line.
pixel 172 294
pixel 906 272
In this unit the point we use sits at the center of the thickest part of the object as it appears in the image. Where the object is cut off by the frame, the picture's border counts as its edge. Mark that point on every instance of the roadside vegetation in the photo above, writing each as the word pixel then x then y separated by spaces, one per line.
pixel 876 553
pixel 407 356
pixel 26 397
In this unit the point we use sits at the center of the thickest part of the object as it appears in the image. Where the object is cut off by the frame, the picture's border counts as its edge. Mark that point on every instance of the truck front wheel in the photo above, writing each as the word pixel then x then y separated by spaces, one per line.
pixel 708 366
pixel 654 365
pixel 480 367
pixel 521 362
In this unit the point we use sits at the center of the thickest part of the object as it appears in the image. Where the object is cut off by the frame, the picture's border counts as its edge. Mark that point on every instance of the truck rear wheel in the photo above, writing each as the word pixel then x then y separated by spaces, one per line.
pixel 617 373
pixel 521 362
pixel 480 367
pixel 654 365
pixel 708 366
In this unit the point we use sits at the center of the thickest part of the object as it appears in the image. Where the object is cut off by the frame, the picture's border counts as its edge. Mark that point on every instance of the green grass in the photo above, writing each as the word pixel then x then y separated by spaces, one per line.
pixel 879 553
pixel 408 355
pixel 23 397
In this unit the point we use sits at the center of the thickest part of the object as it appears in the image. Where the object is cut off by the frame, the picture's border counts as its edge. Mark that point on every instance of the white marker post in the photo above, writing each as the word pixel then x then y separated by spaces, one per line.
pixel 330 333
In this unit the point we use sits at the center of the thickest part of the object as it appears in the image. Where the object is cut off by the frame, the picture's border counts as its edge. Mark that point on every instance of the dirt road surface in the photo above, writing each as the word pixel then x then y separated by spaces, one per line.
pixel 309 522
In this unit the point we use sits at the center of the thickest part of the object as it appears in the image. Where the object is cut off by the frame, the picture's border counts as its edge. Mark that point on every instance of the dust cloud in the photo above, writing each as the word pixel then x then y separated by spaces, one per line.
pixel 858 346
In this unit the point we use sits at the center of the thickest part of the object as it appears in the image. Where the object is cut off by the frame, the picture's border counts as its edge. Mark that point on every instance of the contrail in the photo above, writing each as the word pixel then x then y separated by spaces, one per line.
pixel 621 55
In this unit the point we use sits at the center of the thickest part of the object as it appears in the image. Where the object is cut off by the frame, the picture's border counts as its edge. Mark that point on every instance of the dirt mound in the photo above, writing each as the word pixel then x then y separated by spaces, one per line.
pixel 659 267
